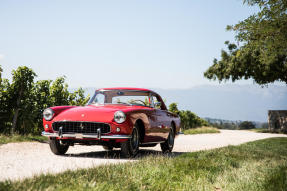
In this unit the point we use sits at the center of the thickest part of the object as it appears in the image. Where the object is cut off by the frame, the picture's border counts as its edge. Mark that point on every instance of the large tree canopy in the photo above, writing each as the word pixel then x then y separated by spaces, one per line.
pixel 261 49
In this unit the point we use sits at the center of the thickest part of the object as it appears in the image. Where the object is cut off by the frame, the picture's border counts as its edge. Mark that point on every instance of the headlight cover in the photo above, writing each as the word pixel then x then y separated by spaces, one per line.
pixel 119 117
pixel 48 114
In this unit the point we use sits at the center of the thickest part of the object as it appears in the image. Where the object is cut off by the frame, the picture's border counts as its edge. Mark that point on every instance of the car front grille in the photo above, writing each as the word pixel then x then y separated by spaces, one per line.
pixel 81 127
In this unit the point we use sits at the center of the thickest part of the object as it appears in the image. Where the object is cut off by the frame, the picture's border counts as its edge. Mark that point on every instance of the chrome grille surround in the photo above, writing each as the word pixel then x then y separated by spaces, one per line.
pixel 83 127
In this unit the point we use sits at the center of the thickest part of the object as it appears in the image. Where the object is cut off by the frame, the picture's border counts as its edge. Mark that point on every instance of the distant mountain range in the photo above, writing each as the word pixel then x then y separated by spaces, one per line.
pixel 229 102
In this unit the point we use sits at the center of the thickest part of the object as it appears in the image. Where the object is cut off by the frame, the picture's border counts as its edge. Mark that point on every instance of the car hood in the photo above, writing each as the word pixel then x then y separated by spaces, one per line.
pixel 99 113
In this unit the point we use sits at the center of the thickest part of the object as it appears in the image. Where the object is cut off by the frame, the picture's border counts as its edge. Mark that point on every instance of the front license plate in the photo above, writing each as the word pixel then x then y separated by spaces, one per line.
pixel 79 136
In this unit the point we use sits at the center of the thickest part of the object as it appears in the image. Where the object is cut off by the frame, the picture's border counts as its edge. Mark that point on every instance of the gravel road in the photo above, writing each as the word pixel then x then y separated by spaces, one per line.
pixel 21 160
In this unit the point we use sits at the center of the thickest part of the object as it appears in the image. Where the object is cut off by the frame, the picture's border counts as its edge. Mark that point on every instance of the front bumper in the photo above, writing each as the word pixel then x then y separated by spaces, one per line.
pixel 78 135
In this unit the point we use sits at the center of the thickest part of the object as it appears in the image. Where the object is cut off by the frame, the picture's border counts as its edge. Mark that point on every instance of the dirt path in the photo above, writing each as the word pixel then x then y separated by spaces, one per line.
pixel 21 160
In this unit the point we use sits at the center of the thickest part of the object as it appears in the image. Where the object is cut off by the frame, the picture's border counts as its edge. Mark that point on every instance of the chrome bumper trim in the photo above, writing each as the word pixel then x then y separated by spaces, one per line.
pixel 97 136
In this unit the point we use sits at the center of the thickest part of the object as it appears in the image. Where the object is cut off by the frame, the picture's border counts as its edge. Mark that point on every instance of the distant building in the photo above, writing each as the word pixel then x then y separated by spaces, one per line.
pixel 277 120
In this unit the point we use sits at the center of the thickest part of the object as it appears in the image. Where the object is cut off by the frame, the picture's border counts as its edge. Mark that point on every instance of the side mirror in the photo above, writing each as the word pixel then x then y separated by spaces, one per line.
pixel 157 104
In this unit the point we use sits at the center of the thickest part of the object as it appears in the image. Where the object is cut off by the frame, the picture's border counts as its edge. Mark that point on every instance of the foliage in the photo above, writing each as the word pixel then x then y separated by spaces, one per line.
pixel 5 104
pixel 261 130
pixel 201 130
pixel 23 100
pixel 188 118
pixel 225 125
pixel 78 97
pixel 255 166
pixel 59 92
pixel 261 50
pixel 173 108
pixel 42 100
pixel 246 125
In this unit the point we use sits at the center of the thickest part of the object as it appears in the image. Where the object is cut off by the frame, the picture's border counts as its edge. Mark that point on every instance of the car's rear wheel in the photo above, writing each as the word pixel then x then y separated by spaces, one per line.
pixel 57 147
pixel 130 148
pixel 167 146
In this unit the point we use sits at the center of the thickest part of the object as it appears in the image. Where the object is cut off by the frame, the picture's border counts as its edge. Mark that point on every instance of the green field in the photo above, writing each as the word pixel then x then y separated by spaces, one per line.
pixel 201 130
pixel 21 138
pixel 259 165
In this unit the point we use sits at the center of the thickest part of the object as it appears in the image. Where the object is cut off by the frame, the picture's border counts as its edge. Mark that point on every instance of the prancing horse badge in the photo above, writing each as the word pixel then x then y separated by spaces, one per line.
pixel 82 126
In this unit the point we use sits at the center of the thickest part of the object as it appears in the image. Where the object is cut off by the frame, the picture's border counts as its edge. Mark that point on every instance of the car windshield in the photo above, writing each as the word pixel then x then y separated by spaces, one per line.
pixel 128 97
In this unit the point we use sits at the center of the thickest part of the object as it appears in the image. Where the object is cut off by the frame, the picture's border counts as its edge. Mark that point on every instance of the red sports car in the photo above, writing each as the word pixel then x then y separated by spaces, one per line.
pixel 126 118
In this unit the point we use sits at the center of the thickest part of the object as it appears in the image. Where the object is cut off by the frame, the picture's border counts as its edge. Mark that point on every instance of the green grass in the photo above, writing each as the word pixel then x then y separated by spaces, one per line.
pixel 264 130
pixel 260 130
pixel 21 138
pixel 201 130
pixel 259 165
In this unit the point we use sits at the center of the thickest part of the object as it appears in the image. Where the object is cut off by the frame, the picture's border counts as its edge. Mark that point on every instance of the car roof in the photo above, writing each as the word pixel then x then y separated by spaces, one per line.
pixel 127 88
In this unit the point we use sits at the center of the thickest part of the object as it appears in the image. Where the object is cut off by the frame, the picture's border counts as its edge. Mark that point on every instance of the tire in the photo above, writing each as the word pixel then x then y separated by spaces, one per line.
pixel 108 148
pixel 167 146
pixel 57 148
pixel 130 148
pixel 149 145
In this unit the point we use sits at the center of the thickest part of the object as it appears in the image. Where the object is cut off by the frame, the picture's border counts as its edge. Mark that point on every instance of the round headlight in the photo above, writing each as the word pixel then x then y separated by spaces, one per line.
pixel 119 117
pixel 48 114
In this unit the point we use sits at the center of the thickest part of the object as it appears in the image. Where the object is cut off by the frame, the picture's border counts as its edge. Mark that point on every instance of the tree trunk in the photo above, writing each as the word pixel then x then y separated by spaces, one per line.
pixel 15 117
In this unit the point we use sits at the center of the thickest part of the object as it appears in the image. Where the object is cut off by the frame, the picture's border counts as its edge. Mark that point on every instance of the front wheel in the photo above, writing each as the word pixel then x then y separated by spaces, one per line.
pixel 167 146
pixel 57 147
pixel 130 148
pixel 108 148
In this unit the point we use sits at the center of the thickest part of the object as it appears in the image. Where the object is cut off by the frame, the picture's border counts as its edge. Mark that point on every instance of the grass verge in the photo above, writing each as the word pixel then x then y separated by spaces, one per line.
pixel 21 138
pixel 201 130
pixel 264 130
pixel 259 165
pixel 260 130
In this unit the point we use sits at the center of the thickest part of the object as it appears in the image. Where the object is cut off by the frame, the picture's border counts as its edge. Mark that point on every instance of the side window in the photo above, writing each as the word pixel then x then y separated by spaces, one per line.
pixel 156 103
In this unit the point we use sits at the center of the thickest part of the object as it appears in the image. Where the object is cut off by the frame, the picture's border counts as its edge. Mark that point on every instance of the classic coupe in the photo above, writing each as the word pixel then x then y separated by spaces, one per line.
pixel 126 118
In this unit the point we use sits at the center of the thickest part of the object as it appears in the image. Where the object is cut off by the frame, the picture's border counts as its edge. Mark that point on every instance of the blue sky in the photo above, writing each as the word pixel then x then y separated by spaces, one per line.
pixel 150 43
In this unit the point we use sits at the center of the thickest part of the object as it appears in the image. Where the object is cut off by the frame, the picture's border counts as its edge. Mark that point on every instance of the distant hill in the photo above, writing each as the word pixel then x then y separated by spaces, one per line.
pixel 220 121
pixel 230 102
pixel 236 123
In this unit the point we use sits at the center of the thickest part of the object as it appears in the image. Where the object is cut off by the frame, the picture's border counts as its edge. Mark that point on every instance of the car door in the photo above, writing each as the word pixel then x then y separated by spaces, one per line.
pixel 162 122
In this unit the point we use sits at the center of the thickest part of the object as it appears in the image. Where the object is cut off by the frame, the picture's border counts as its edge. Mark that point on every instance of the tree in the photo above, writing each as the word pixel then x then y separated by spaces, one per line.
pixel 42 99
pixel 47 94
pixel 173 108
pixel 188 119
pixel 246 125
pixel 19 90
pixel 261 50
pixel 5 109
pixel 78 97
pixel 23 101
pixel 59 92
